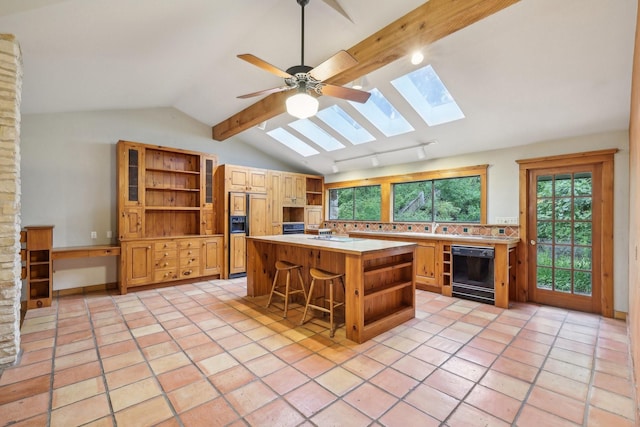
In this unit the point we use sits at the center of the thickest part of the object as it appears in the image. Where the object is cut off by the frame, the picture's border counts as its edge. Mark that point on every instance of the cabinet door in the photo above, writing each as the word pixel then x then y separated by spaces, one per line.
pixel 293 190
pixel 237 204
pixel 237 178
pixel 211 258
pixel 258 219
pixel 130 223
pixel 237 253
pixel 208 211
pixel 313 217
pixel 257 181
pixel 274 194
pixel 138 263
pixel 130 175
pixel 425 259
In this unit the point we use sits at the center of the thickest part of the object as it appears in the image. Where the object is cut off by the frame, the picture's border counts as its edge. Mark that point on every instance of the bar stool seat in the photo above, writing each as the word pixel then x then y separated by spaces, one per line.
pixel 286 291
pixel 322 303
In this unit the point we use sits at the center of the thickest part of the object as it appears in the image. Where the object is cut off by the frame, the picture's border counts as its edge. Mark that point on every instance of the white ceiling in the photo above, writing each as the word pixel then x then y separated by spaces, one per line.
pixel 538 70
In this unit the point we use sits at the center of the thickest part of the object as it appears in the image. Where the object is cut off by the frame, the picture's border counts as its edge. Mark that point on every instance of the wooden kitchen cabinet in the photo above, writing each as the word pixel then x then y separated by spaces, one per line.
pixel 313 216
pixel 426 266
pixel 166 208
pixel 211 256
pixel 240 178
pixel 293 193
pixel 274 194
pixel 39 265
pixel 136 259
pixel 237 254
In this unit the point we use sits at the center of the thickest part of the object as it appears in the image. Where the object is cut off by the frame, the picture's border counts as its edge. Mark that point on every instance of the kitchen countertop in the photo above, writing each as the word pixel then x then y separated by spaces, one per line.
pixel 458 238
pixel 342 244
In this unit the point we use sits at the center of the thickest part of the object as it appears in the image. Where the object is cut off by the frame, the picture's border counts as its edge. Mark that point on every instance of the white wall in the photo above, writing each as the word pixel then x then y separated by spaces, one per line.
pixel 68 172
pixel 503 181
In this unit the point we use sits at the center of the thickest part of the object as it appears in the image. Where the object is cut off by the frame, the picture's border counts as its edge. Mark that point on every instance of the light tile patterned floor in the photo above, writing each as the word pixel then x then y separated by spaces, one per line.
pixel 205 355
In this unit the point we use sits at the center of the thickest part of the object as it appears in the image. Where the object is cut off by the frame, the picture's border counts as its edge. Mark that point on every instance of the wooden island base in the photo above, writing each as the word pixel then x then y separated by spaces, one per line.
pixel 379 276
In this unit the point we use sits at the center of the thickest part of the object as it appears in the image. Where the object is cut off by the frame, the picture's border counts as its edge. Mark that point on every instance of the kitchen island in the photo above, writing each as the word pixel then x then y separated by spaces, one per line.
pixel 379 275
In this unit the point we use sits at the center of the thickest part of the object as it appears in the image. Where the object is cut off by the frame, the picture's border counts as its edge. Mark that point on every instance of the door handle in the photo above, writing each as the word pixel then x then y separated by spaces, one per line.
pixel 533 242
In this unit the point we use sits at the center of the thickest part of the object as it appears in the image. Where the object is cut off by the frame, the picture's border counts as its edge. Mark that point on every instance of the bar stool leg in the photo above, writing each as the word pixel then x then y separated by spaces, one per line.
pixel 331 309
pixel 308 300
pixel 273 287
pixel 286 294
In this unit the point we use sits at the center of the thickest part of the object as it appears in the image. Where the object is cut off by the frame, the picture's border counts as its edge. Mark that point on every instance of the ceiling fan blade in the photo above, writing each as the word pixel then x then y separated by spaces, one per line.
pixel 252 59
pixel 337 63
pixel 265 92
pixel 346 93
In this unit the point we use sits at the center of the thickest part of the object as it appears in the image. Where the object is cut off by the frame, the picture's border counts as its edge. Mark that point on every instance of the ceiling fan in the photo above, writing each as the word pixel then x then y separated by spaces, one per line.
pixel 306 80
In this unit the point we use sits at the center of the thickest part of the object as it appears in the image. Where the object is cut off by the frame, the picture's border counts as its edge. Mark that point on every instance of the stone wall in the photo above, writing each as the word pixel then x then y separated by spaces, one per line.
pixel 10 264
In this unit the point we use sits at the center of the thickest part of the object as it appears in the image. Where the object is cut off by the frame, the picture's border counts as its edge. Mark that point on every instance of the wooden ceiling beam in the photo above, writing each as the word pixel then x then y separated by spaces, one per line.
pixel 424 25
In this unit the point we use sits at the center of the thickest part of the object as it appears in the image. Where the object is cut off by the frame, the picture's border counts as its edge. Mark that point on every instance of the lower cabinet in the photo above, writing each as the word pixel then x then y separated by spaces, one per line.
pixel 426 277
pixel 237 254
pixel 153 261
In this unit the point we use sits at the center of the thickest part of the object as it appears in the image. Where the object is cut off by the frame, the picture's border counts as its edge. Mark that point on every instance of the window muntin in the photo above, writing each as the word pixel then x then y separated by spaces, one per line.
pixel 355 203
pixel 316 134
pixel 444 200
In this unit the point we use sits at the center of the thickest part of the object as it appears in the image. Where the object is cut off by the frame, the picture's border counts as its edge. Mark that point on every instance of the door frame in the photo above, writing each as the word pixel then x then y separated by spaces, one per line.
pixel 601 158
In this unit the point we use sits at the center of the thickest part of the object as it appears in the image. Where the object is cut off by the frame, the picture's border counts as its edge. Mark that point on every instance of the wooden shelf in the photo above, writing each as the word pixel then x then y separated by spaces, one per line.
pixel 386 267
pixel 388 288
pixel 375 321
pixel 173 208
pixel 194 190
pixel 172 171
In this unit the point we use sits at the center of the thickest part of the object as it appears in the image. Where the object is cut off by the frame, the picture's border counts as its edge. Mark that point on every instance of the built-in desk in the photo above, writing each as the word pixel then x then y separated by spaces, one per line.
pixel 69 260
pixel 85 251
pixel 379 276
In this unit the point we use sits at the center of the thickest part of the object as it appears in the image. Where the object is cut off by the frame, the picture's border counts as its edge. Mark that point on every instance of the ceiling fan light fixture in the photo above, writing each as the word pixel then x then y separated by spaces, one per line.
pixel 302 105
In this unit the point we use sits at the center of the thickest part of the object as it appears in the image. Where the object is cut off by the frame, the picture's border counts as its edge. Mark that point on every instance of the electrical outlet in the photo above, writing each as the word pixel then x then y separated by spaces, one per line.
pixel 94 235
pixel 109 234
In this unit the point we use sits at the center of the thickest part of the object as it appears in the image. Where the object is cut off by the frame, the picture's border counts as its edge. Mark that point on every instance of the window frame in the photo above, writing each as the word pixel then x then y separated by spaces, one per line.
pixel 386 184
pixel 328 198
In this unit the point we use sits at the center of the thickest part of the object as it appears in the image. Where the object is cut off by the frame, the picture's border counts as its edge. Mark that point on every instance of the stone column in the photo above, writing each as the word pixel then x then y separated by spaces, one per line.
pixel 10 263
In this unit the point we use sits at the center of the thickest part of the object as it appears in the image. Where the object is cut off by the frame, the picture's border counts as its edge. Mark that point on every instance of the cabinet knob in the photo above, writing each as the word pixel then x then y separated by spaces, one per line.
pixel 166 254
pixel 533 242
pixel 148 247
pixel 186 273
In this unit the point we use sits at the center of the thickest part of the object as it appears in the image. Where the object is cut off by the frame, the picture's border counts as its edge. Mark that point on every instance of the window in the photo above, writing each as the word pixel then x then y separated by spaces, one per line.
pixel 447 200
pixel 285 138
pixel 355 203
pixel 345 125
pixel 383 115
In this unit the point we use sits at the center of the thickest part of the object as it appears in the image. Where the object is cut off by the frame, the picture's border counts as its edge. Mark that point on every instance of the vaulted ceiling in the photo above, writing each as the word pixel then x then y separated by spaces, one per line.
pixel 535 70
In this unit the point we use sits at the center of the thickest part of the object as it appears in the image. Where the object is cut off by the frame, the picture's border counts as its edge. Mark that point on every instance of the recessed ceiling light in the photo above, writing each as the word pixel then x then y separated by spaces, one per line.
pixel 417 58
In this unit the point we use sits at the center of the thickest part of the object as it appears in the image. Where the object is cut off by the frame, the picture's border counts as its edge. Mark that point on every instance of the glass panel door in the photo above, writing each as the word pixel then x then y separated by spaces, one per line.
pixel 562 238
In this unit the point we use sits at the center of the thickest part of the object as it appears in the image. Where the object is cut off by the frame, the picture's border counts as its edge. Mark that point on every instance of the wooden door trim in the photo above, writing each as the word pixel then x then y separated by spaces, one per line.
pixel 602 158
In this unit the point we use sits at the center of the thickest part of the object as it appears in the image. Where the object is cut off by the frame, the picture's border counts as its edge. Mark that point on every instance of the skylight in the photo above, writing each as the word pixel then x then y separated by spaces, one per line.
pixel 383 115
pixel 316 134
pixel 345 125
pixel 426 93
pixel 292 142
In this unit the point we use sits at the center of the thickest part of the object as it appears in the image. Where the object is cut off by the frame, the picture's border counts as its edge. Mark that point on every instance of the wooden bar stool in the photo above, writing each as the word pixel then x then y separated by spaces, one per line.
pixel 286 291
pixel 327 277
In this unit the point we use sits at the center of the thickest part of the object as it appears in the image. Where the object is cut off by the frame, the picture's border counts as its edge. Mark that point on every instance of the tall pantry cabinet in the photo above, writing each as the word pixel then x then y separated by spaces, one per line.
pixel 166 215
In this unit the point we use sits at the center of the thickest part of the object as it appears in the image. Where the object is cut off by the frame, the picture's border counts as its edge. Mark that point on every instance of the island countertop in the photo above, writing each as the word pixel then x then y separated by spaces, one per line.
pixel 457 238
pixel 343 244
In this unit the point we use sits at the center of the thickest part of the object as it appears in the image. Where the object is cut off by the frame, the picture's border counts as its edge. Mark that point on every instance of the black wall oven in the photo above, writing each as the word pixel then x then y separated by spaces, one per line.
pixel 473 273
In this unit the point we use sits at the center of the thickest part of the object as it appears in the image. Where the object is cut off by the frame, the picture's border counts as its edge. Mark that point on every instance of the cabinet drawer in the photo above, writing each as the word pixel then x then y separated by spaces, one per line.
pixel 192 252
pixel 164 275
pixel 188 272
pixel 189 262
pixel 165 254
pixel 189 244
pixel 166 263
pixel 164 246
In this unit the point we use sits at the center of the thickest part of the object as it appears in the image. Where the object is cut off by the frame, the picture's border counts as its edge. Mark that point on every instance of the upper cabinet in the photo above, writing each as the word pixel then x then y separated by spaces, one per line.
pixel 314 190
pixel 164 191
pixel 240 178
pixel 293 193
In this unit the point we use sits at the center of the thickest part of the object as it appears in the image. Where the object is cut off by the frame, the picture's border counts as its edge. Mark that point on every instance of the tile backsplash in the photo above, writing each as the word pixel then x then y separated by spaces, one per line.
pixel 344 227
